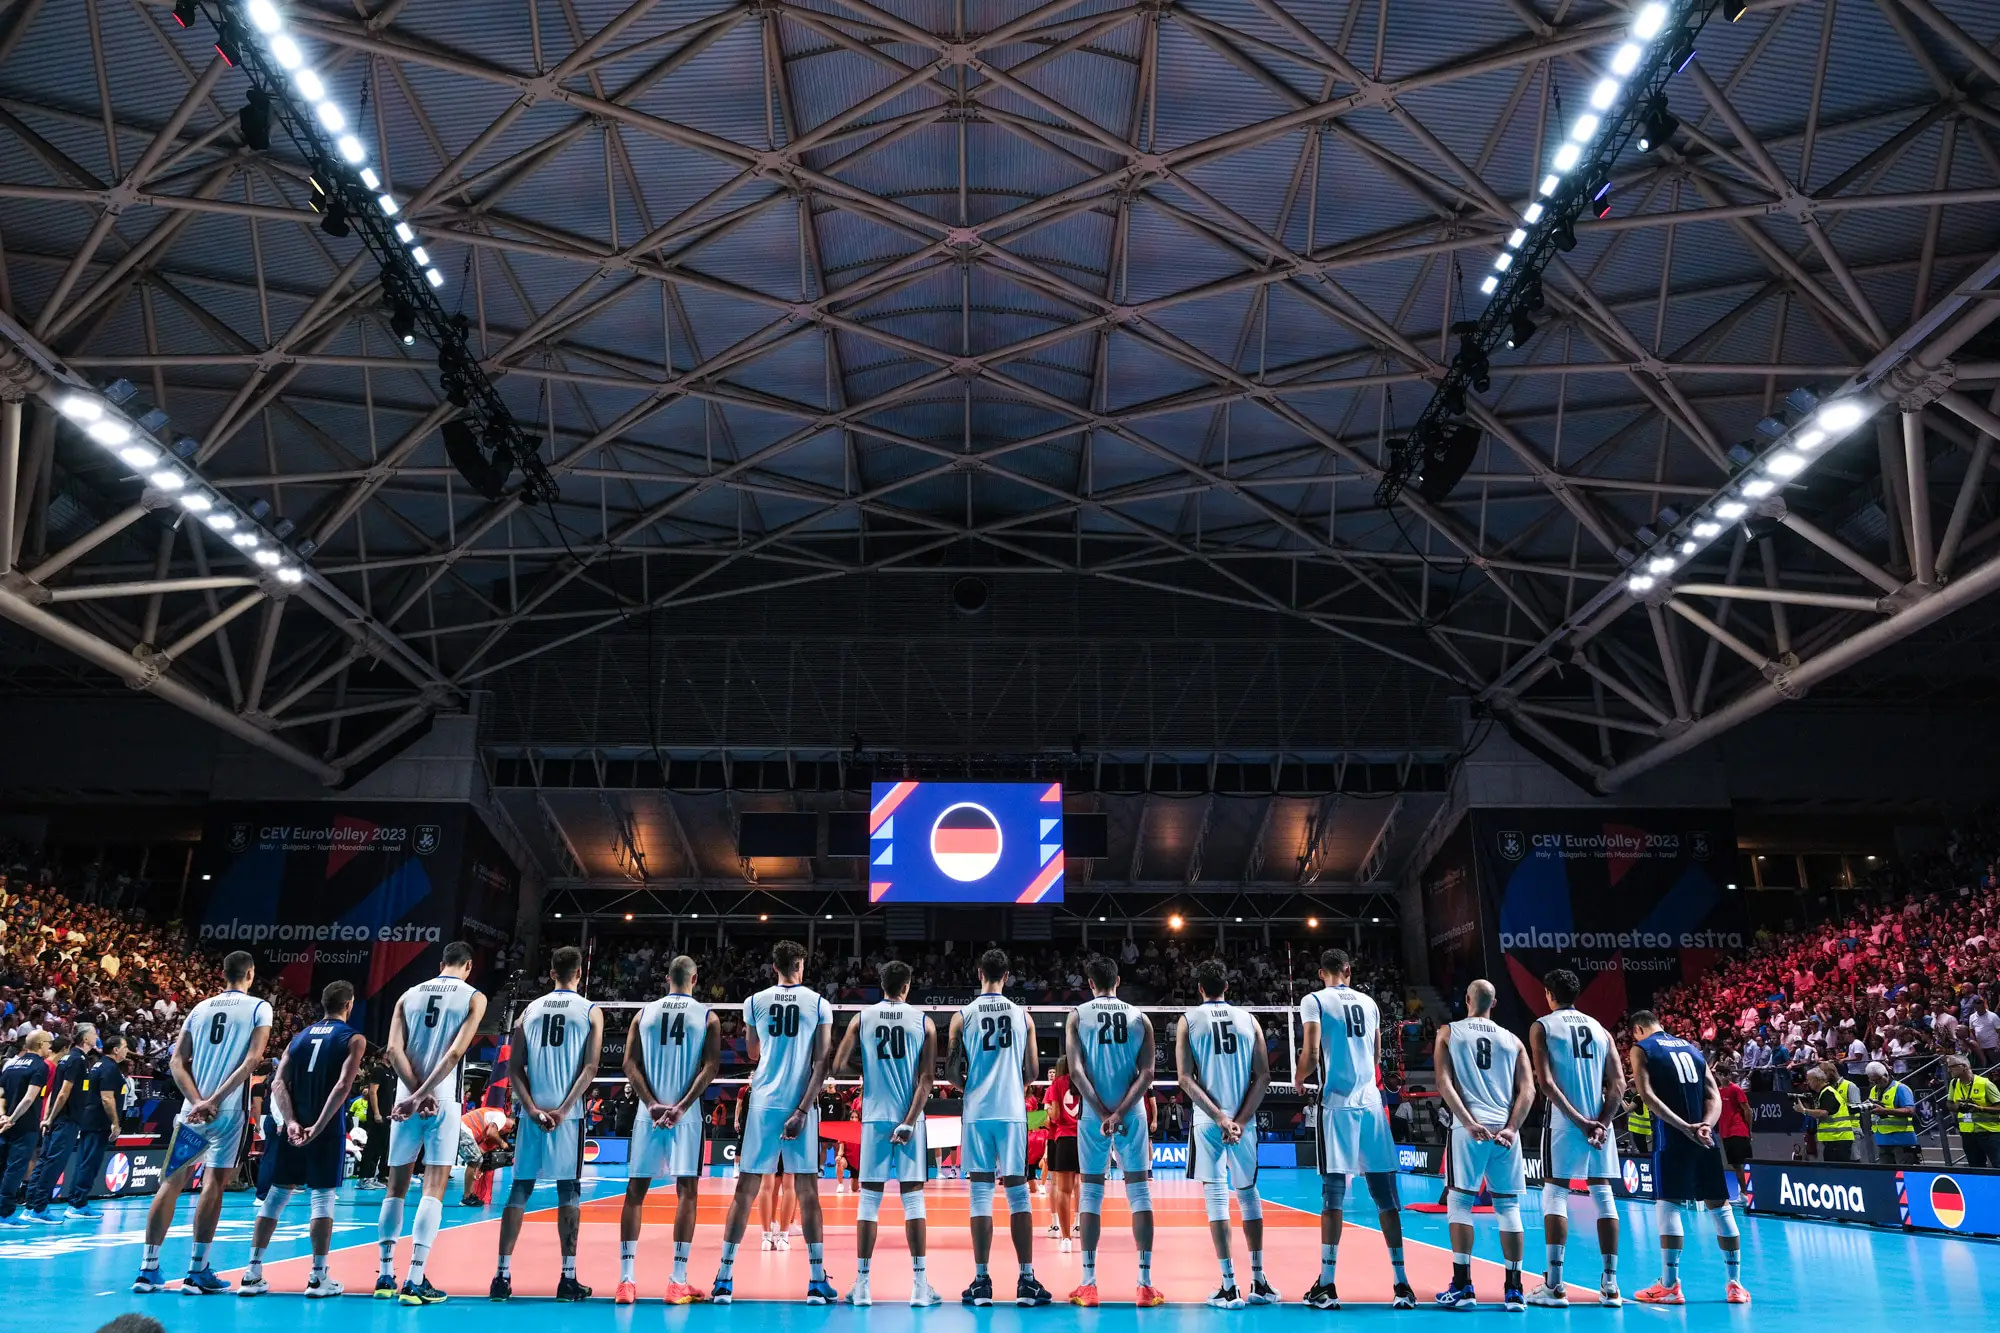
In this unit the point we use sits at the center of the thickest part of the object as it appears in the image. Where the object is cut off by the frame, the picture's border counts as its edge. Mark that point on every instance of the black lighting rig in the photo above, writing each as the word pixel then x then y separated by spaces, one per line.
pixel 1441 445
pixel 484 442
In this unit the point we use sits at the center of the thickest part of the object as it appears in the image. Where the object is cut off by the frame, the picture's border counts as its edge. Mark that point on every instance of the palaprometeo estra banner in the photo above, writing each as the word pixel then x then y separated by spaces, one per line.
pixel 1632 901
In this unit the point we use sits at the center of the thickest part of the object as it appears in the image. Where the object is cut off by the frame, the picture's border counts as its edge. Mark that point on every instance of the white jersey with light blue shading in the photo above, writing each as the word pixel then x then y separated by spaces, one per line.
pixel 433 1014
pixel 1578 1046
pixel 1109 1031
pixel 786 1020
pixel 1483 1055
pixel 992 1035
pixel 1348 1024
pixel 892 1043
pixel 218 1033
pixel 1219 1043
pixel 557 1028
pixel 673 1031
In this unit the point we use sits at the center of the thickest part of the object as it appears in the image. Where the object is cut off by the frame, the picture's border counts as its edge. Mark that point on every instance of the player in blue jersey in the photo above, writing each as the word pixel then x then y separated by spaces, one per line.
pixel 1110 1046
pixel 221 1043
pixel 897 1044
pixel 1673 1078
pixel 551 1059
pixel 1581 1079
pixel 996 1038
pixel 672 1051
pixel 433 1026
pixel 305 1135
pixel 1224 1070
pixel 790 1031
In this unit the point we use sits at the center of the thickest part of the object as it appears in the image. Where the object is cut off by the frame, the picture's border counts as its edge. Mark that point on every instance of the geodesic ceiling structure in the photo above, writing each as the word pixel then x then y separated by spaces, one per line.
pixel 814 295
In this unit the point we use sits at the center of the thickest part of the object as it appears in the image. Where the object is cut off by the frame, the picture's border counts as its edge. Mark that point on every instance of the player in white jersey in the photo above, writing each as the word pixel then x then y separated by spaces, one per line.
pixel 1487 1088
pixel 997 1040
pixel 1343 1053
pixel 1110 1047
pixel 790 1029
pixel 1224 1071
pixel 898 1049
pixel 1583 1081
pixel 672 1051
pixel 219 1047
pixel 433 1025
pixel 552 1056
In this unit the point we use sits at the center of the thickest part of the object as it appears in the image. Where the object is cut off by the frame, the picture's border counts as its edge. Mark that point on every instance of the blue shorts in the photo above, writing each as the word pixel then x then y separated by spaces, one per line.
pixel 766 1149
pixel 661 1153
pixel 1131 1146
pixel 996 1147
pixel 318 1165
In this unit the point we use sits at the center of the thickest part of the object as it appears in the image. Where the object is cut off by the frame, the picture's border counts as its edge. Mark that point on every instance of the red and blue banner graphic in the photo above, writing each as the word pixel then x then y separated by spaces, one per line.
pixel 366 892
pixel 966 842
pixel 1966 1201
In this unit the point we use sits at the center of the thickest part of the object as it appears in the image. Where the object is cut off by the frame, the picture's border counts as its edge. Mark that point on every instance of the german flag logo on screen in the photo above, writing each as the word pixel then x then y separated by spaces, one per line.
pixel 1947 1201
pixel 965 842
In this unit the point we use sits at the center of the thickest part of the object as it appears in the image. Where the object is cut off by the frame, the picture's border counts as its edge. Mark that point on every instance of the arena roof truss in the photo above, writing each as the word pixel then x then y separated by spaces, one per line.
pixel 799 294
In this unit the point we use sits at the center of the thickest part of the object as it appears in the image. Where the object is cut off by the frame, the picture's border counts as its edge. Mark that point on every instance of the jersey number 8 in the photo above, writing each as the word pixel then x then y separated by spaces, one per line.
pixel 1482 1053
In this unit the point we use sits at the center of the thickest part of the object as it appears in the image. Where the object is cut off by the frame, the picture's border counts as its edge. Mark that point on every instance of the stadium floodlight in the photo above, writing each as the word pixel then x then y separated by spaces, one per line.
pixel 421 255
pixel 1690 547
pixel 1809 439
pixel 1504 262
pixel 1731 509
pixel 244 541
pixel 1639 583
pixel 220 521
pixel 370 179
pixel 433 277
pixel 1586 125
pixel 1604 94
pixel 1532 214
pixel 1759 487
pixel 1515 241
pixel 138 455
pixel 1786 464
pixel 1490 286
pixel 351 149
pixel 404 234
pixel 267 558
pixel 1661 564
pixel 265 15
pixel 286 52
pixel 332 117
pixel 1626 59
pixel 195 502
pixel 110 431
pixel 290 574
pixel 1566 157
pixel 309 83
pixel 80 408
pixel 1705 530
pixel 1658 126
pixel 1841 415
pixel 387 203
pixel 167 479
pixel 1550 184
pixel 1651 19
pixel 1521 328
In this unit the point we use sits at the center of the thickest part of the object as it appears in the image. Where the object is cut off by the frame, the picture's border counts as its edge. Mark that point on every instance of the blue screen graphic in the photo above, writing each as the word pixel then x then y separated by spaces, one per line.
pixel 965 842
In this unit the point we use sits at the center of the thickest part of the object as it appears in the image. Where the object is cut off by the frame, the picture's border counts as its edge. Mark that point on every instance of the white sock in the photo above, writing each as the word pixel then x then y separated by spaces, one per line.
pixel 628 1259
pixel 1611 1264
pixel 1145 1268
pixel 569 1266
pixel 388 1227
pixel 319 1268
pixel 1670 1267
pixel 506 1268
pixel 423 1234
pixel 199 1259
pixel 816 1260
pixel 1256 1264
pixel 1555 1273
pixel 979 1270
pixel 152 1259
pixel 682 1249
pixel 917 1264
pixel 728 1261
pixel 1396 1262
pixel 1089 1267
pixel 1329 1260
pixel 861 1267
pixel 1028 1272
pixel 1228 1272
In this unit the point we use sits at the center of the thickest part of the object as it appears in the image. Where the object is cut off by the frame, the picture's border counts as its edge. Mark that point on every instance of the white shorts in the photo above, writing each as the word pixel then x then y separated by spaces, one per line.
pixel 1209 1158
pixel 548 1154
pixel 883 1160
pixel 436 1137
pixel 1567 1154
pixel 999 1147
pixel 1471 1161
pixel 658 1154
pixel 766 1149
pixel 225 1138
pixel 1354 1140
pixel 1132 1146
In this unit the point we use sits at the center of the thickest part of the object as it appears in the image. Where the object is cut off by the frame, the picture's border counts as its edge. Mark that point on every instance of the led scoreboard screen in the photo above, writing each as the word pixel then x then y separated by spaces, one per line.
pixel 965 842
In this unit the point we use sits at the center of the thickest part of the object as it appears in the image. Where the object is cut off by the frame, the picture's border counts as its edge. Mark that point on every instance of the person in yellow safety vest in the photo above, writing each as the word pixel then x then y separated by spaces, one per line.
pixel 1825 1101
pixel 1893 1122
pixel 1977 1101
pixel 1638 1123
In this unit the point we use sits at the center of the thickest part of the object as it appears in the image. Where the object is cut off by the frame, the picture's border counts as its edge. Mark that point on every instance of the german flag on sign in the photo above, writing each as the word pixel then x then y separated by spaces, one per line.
pixel 965 842
pixel 1948 1202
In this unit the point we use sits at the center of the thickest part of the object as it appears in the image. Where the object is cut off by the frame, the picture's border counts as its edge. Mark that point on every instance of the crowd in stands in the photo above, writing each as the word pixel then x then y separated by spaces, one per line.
pixel 1911 977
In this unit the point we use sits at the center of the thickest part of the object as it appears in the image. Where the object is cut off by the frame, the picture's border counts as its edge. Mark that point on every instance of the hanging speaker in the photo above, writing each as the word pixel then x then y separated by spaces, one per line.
pixel 480 472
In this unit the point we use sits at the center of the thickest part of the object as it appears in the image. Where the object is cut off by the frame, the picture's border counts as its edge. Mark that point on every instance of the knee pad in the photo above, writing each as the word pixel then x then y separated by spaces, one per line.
pixel 322 1203
pixel 1669 1215
pixel 569 1194
pixel 1332 1193
pixel 869 1206
pixel 1458 1208
pixel 913 1205
pixel 1090 1197
pixel 518 1196
pixel 1606 1201
pixel 1139 1195
pixel 982 1198
pixel 1382 1188
pixel 1252 1206
pixel 1017 1198
pixel 1215 1200
pixel 1725 1220
pixel 1555 1200
pixel 274 1203
pixel 1507 1208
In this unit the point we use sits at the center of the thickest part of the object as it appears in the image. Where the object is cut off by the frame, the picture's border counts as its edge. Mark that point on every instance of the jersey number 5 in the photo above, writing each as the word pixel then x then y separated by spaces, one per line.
pixel 431 1011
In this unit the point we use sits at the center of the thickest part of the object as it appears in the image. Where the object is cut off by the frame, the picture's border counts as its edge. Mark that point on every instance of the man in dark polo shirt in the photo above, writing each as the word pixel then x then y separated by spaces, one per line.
pixel 100 1095
pixel 59 1136
pixel 23 1081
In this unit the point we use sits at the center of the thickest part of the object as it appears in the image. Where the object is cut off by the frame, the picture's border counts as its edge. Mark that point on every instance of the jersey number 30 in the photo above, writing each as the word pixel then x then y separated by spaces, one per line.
pixel 784 1021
